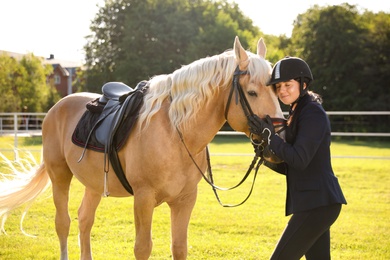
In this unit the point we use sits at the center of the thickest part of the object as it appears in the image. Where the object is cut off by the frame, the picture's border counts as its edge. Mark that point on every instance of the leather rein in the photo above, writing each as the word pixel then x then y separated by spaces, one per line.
pixel 255 164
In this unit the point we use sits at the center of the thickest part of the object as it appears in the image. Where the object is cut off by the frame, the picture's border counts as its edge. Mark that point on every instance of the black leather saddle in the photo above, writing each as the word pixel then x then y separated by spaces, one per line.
pixel 117 102
pixel 114 97
pixel 108 122
pixel 114 90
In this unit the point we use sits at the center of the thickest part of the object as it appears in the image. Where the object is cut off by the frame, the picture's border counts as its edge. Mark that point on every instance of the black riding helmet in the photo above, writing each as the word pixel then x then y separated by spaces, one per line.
pixel 291 68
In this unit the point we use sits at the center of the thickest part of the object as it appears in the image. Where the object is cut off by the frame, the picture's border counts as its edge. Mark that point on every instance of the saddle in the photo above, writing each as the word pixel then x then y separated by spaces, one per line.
pixel 117 97
pixel 108 121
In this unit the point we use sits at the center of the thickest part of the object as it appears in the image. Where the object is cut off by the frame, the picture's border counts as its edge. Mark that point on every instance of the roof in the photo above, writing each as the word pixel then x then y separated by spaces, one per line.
pixel 63 70
pixel 51 60
pixel 64 63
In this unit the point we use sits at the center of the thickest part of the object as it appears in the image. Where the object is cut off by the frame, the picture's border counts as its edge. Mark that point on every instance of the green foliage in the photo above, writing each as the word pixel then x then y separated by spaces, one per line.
pixel 348 52
pixel 330 41
pixel 34 92
pixel 250 231
pixel 375 62
pixel 277 47
pixel 347 48
pixel 23 84
pixel 133 40
pixel 9 79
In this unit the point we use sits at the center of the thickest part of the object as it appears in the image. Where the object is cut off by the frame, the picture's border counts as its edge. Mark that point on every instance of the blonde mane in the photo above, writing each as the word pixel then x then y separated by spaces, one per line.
pixel 191 87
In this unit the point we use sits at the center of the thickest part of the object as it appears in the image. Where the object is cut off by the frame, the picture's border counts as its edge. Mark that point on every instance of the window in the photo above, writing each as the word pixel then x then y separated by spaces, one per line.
pixel 57 79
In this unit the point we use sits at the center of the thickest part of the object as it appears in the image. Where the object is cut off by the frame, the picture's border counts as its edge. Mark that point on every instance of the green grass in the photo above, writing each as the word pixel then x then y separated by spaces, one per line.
pixel 246 232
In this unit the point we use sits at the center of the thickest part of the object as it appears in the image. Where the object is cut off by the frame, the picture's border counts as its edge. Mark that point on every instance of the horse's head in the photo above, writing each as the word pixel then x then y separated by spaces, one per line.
pixel 204 94
pixel 250 94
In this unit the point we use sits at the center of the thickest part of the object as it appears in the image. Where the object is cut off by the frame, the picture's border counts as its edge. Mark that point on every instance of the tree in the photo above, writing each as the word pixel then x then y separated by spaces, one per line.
pixel 375 76
pixel 329 40
pixel 277 47
pixel 133 40
pixel 9 78
pixel 348 52
pixel 343 47
pixel 23 84
pixel 157 41
pixel 34 91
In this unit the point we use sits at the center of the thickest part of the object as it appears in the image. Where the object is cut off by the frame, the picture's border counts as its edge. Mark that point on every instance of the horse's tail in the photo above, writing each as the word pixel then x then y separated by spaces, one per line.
pixel 21 187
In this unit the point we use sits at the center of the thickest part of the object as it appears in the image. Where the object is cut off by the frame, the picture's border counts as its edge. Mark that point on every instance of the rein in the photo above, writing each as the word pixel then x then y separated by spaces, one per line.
pixel 236 87
pixel 210 180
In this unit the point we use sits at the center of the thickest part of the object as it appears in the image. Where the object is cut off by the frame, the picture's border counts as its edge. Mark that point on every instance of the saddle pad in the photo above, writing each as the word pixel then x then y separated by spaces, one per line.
pixel 88 120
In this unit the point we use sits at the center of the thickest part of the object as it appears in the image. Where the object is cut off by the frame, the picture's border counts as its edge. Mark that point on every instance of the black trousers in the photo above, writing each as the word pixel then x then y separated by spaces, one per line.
pixel 307 234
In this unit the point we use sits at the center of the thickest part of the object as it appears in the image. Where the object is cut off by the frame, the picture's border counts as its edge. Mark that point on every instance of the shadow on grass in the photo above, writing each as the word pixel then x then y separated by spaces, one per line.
pixel 230 139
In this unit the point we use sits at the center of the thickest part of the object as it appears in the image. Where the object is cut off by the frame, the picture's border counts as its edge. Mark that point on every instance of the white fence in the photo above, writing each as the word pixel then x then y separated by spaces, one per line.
pixel 31 123
pixel 21 123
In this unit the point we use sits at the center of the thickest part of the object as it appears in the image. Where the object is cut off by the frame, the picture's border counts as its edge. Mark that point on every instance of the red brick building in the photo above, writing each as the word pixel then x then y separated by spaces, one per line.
pixel 64 73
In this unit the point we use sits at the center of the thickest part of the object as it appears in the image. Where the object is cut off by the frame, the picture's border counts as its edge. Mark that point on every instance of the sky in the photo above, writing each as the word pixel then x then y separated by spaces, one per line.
pixel 45 27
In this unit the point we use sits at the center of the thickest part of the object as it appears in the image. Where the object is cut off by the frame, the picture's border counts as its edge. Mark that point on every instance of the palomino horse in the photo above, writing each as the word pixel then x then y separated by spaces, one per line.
pixel 183 110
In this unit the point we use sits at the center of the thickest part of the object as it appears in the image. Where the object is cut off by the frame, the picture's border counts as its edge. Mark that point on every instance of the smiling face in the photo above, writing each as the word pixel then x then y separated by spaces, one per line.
pixel 288 91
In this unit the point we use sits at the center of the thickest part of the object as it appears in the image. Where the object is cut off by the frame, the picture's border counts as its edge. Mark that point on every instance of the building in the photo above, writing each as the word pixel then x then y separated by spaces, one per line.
pixel 64 72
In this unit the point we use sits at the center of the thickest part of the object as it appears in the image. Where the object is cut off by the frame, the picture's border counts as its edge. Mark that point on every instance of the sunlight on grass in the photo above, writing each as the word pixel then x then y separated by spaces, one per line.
pixel 246 232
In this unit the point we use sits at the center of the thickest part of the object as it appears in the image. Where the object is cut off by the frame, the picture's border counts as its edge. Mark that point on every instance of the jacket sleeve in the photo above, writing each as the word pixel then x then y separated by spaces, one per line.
pixel 279 168
pixel 312 126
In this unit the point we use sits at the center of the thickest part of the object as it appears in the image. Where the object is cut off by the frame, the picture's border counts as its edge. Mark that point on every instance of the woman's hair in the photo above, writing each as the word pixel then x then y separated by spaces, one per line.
pixel 314 96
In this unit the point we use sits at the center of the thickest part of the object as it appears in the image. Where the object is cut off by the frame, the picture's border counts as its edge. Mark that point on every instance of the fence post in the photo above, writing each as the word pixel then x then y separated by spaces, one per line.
pixel 15 136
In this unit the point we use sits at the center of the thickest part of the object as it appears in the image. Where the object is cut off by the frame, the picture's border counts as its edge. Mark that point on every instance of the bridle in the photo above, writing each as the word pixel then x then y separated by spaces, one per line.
pixel 240 95
pixel 255 164
pixel 236 87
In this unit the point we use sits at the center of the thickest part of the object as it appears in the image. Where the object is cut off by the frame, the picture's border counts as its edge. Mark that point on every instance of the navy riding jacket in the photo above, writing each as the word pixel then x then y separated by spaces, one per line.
pixel 311 182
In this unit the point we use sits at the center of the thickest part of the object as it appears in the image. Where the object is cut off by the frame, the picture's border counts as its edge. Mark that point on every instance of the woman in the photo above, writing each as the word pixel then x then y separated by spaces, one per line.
pixel 314 196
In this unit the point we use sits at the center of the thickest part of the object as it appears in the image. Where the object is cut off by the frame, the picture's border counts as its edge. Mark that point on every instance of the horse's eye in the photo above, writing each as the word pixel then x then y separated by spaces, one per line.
pixel 252 93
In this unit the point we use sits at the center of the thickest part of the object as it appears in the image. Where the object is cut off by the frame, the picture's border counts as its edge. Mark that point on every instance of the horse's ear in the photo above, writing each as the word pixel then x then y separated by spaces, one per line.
pixel 241 55
pixel 261 49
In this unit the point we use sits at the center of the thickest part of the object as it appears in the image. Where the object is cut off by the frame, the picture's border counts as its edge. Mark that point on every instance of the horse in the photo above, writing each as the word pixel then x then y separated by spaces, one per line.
pixel 164 155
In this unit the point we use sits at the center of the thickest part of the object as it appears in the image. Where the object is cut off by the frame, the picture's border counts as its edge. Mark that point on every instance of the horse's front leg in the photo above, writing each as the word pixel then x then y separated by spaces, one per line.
pixel 144 204
pixel 86 215
pixel 181 210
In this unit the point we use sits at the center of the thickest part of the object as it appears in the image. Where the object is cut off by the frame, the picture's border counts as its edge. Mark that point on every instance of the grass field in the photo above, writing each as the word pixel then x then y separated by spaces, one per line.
pixel 246 232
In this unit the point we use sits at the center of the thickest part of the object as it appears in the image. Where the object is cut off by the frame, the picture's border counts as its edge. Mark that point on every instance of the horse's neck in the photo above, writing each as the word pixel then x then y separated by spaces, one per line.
pixel 203 128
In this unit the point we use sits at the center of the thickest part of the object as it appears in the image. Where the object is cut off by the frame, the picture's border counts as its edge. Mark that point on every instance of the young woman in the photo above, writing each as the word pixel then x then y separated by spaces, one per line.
pixel 314 196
